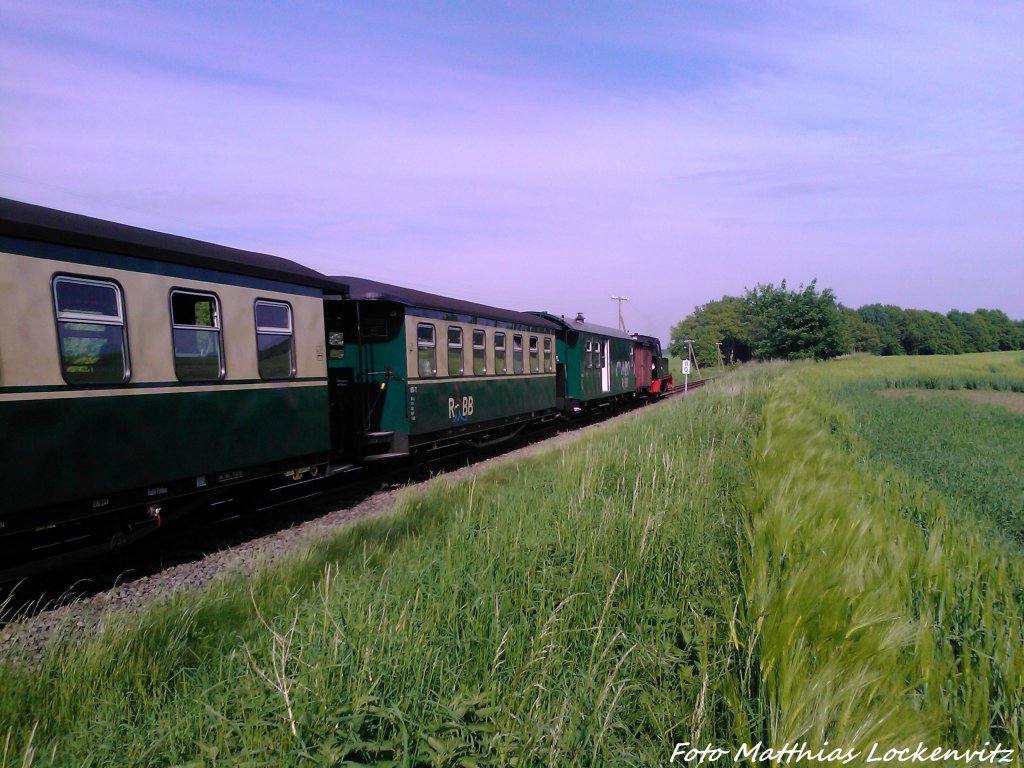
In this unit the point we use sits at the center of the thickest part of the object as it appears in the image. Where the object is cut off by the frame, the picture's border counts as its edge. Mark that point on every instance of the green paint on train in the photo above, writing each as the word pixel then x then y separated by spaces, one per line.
pixel 92 448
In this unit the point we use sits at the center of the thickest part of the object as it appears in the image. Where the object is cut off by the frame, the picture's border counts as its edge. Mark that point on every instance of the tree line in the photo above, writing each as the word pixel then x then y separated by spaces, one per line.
pixel 774 322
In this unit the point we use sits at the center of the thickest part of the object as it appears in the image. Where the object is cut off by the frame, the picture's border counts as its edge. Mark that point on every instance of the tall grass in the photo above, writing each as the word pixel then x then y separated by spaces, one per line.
pixel 997 383
pixel 572 608
pixel 973 453
pixel 827 580
pixel 731 568
pixel 875 614
pixel 982 370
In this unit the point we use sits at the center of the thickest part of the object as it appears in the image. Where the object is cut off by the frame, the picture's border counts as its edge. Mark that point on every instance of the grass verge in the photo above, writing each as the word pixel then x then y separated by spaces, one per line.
pixel 571 608
pixel 729 568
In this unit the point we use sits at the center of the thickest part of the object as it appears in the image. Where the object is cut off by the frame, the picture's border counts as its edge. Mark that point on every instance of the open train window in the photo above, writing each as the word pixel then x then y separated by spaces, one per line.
pixel 534 355
pixel 517 354
pixel 549 359
pixel 588 356
pixel 479 352
pixel 426 349
pixel 455 365
pixel 91 331
pixel 195 328
pixel 275 340
pixel 500 356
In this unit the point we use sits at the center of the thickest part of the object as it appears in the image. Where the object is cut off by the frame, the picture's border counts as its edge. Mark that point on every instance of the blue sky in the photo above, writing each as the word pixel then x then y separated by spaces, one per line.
pixel 545 155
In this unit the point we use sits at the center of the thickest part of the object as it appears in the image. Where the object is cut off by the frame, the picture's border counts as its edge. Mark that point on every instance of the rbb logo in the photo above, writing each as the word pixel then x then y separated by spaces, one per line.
pixel 458 410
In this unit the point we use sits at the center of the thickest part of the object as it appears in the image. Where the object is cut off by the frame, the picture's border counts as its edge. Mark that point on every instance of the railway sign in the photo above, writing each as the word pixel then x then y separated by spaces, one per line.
pixel 686 367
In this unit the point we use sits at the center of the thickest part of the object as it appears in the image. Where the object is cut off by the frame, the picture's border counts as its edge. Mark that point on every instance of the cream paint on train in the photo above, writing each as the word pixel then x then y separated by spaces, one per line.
pixel 441 349
pixel 28 328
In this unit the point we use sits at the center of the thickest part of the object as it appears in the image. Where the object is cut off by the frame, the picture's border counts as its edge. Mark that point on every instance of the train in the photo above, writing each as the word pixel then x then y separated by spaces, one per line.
pixel 145 375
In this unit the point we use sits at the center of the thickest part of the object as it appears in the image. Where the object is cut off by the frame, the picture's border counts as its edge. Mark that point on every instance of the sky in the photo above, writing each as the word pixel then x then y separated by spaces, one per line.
pixel 545 155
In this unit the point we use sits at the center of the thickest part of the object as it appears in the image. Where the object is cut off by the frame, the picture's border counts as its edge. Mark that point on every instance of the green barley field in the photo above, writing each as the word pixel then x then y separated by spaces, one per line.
pixel 828 554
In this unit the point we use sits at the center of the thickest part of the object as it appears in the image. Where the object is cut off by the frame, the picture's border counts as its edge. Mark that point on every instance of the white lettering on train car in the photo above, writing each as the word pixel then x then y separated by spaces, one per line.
pixel 459 409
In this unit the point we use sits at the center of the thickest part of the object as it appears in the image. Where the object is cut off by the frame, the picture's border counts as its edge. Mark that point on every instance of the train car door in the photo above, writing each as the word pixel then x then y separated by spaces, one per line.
pixel 606 373
pixel 642 366
pixel 342 364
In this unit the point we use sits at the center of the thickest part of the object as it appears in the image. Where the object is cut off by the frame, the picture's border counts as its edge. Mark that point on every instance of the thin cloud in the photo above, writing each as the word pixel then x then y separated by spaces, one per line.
pixel 673 154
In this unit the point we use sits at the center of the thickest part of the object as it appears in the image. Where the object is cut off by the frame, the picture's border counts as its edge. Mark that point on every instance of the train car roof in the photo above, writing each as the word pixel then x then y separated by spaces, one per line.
pixel 577 325
pixel 646 338
pixel 35 222
pixel 371 290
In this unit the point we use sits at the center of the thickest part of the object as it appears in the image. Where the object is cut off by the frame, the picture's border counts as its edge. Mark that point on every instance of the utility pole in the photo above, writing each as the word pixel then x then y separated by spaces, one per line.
pixel 620 299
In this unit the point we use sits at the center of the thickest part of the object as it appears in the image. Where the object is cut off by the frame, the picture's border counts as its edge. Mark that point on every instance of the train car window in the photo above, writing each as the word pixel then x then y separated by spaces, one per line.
pixel 500 356
pixel 599 354
pixel 589 363
pixel 534 355
pixel 549 359
pixel 517 354
pixel 195 328
pixel 91 331
pixel 479 352
pixel 426 349
pixel 275 340
pixel 455 366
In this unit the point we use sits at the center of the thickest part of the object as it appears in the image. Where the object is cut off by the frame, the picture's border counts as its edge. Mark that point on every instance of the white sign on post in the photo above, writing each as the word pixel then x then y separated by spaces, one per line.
pixel 686 375
pixel 686 367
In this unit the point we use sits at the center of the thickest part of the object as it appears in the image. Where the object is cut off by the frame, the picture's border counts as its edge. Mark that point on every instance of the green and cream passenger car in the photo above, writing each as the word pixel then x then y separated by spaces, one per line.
pixel 411 370
pixel 595 364
pixel 142 372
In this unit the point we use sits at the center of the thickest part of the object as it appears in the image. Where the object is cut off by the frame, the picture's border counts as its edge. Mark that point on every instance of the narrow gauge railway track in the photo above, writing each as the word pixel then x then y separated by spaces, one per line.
pixel 680 389
pixel 232 537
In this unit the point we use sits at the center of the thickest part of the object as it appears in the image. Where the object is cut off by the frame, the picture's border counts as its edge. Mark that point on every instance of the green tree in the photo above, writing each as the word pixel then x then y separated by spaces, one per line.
pixel 718 321
pixel 974 330
pixel 861 336
pixel 929 333
pixel 794 324
pixel 1005 331
pixel 888 321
